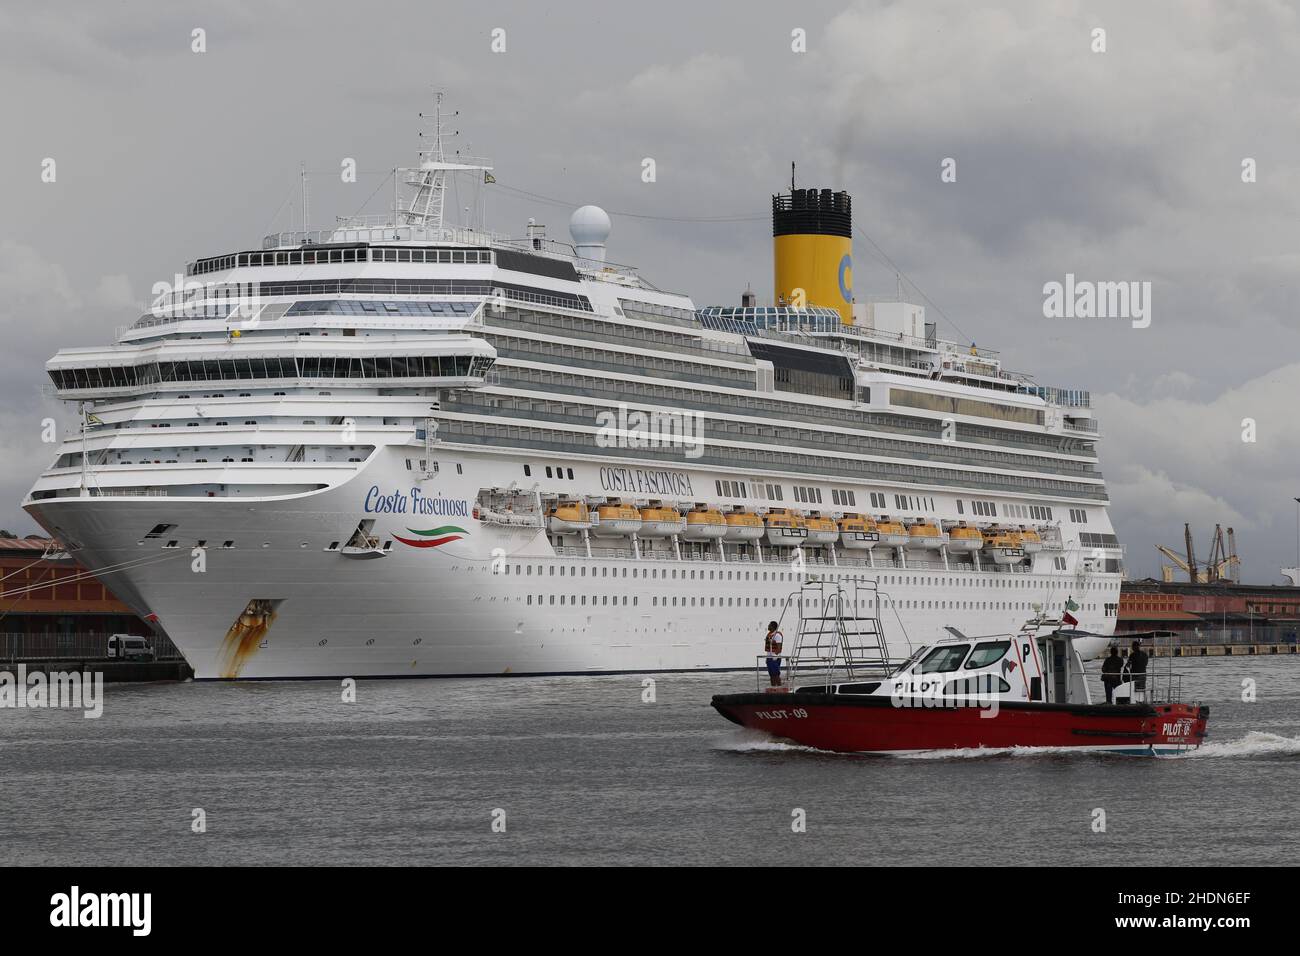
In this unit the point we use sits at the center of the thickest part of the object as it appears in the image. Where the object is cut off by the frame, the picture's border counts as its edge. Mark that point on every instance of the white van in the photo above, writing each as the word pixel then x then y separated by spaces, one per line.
pixel 128 647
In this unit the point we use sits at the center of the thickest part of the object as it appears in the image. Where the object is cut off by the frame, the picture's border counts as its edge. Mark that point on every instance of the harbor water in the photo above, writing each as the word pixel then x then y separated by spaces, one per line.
pixel 587 770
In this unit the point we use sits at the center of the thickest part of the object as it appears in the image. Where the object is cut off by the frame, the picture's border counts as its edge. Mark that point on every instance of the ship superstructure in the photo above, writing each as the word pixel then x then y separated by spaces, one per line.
pixel 397 447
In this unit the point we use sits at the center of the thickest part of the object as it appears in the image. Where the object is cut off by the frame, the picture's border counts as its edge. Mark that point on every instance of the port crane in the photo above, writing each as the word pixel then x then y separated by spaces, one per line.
pixel 1222 565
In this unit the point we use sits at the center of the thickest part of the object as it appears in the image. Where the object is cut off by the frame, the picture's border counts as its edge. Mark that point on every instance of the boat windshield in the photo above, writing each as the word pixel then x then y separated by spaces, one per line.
pixel 944 658
pixel 986 653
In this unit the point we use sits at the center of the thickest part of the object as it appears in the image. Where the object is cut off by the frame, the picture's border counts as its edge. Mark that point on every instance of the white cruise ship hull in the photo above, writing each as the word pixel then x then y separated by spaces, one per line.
pixel 495 600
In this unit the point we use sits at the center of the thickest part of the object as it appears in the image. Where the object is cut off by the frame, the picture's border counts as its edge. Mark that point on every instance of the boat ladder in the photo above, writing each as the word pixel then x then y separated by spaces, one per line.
pixel 839 632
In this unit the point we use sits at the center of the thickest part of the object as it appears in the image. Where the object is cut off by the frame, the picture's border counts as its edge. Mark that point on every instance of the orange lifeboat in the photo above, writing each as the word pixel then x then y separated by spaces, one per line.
pixel 965 539
pixel 743 525
pixel 570 516
pixel 785 527
pixel 658 521
pixel 858 533
pixel 924 536
pixel 704 524
pixel 821 530
pixel 616 519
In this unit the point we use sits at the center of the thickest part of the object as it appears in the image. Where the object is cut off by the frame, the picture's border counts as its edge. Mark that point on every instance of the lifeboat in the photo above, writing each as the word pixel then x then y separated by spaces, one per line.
pixel 704 524
pixel 785 528
pixel 821 530
pixel 924 536
pixel 965 539
pixel 568 516
pixel 1003 547
pixel 743 525
pixel 658 521
pixel 616 519
pixel 1030 541
pixel 858 533
pixel 892 533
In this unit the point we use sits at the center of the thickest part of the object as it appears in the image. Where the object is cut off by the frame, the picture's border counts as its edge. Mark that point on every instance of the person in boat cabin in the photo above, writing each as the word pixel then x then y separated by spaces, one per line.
pixel 1110 671
pixel 772 644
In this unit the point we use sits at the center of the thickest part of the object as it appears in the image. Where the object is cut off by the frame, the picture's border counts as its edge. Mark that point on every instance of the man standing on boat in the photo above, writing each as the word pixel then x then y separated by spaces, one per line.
pixel 772 645
pixel 1137 667
pixel 1110 671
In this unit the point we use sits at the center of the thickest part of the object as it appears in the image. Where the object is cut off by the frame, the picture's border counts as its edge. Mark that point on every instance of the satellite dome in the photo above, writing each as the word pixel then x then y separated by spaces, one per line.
pixel 589 226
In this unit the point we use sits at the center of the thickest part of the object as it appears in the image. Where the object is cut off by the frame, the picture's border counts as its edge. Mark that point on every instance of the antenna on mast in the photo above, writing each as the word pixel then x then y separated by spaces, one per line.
pixel 303 173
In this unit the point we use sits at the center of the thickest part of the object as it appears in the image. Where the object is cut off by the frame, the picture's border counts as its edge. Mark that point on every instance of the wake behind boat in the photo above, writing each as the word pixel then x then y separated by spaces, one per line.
pixel 1000 691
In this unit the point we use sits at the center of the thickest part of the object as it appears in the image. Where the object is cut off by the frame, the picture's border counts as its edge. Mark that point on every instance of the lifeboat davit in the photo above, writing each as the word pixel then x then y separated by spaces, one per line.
pixel 568 516
pixel 821 530
pixel 743 525
pixel 660 522
pixel 965 539
pixel 1003 547
pixel 1030 541
pixel 924 536
pixel 616 520
pixel 858 533
pixel 704 524
pixel 892 533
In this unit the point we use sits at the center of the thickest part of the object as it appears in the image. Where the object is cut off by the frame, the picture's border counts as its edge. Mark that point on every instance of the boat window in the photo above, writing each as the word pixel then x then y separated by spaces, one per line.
pixel 987 653
pixel 971 686
pixel 946 657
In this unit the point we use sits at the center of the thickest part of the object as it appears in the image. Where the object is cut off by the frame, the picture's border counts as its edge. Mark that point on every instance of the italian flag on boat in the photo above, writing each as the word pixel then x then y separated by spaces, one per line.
pixel 1067 617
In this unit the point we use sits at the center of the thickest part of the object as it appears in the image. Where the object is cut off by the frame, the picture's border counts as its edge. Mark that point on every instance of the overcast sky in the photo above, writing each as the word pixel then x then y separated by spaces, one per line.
pixel 1122 165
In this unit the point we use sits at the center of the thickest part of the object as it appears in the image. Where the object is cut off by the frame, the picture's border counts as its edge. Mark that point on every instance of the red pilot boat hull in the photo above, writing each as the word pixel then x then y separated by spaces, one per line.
pixel 866 723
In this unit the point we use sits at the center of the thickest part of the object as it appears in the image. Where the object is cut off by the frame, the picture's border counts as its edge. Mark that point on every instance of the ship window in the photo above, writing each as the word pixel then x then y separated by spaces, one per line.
pixel 569 470
pixel 548 471
pixel 987 653
pixel 528 471
pixel 943 659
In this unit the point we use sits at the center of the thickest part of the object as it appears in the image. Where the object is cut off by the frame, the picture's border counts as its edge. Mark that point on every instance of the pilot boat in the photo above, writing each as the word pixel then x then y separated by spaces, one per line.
pixel 1025 690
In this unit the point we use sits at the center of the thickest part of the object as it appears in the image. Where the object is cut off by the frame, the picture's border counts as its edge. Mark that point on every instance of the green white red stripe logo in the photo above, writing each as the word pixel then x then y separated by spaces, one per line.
pixel 433 537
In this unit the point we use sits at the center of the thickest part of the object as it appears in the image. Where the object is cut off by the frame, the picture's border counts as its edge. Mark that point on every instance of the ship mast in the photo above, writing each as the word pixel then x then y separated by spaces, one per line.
pixel 427 202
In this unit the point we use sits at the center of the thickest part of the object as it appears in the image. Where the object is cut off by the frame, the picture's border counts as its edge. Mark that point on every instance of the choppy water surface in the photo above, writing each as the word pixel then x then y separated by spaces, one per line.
pixel 588 773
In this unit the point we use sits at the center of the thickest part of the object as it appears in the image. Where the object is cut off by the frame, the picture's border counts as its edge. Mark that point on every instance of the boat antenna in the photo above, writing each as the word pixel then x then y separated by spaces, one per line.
pixel 792 176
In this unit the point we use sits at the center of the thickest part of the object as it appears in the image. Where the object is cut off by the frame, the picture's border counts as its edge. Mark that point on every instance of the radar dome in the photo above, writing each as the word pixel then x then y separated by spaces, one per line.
pixel 589 226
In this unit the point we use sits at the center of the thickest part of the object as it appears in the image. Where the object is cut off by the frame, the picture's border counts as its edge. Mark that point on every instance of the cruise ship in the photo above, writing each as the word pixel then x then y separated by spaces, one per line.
pixel 398 447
